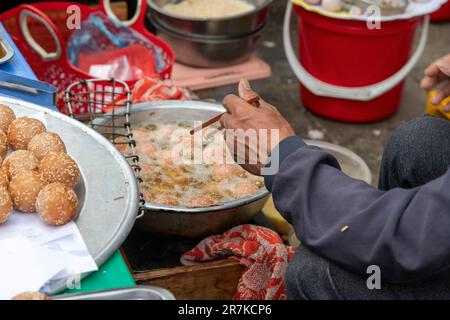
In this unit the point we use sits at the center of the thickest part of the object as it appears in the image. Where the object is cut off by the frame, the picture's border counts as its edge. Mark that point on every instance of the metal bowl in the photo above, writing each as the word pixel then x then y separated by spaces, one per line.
pixel 6 50
pixel 225 28
pixel 209 53
pixel 191 222
pixel 107 193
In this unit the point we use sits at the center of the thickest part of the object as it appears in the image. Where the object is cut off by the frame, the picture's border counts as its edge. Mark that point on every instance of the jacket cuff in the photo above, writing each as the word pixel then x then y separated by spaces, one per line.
pixel 284 149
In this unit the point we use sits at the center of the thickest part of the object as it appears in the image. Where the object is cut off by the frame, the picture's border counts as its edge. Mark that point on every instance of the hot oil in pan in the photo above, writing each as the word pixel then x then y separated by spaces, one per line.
pixel 167 182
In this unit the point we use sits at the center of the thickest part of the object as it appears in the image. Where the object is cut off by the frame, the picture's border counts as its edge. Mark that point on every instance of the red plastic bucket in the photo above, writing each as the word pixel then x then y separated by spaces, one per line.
pixel 346 53
pixel 443 14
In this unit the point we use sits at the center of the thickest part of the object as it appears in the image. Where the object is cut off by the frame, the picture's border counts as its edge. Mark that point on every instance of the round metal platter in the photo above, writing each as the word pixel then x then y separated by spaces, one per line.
pixel 108 191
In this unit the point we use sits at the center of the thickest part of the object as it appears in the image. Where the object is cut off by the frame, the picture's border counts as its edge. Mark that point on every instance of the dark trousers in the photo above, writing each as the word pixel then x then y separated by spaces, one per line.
pixel 417 152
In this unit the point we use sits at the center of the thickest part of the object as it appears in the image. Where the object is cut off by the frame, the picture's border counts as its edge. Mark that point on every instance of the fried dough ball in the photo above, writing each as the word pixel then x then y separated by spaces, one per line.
pixel 242 190
pixel 200 201
pixel 24 189
pixel 4 181
pixel 3 144
pixel 57 204
pixel 44 143
pixel 22 130
pixel 19 161
pixel 225 171
pixel 6 117
pixel 5 205
pixel 211 187
pixel 166 200
pixel 59 167
pixel 31 296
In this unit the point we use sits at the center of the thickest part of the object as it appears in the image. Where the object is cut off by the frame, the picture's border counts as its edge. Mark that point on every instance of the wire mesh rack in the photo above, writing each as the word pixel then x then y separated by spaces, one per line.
pixel 102 102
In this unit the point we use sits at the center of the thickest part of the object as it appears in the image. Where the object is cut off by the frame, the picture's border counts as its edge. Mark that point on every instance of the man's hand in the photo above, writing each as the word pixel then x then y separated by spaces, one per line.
pixel 437 75
pixel 264 120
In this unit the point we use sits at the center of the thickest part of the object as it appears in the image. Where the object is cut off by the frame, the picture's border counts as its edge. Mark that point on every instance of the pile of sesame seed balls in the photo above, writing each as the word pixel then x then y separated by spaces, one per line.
pixel 37 175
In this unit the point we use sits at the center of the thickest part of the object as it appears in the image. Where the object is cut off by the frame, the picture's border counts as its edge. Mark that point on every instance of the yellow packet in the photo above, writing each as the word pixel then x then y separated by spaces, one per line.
pixel 439 109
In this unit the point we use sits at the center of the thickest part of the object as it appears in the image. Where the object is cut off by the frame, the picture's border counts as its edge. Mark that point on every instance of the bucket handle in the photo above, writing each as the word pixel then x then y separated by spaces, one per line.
pixel 364 93
pixel 29 11
pixel 138 17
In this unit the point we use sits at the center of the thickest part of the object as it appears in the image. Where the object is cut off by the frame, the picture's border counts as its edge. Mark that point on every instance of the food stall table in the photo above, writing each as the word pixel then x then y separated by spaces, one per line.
pixel 155 261
pixel 114 273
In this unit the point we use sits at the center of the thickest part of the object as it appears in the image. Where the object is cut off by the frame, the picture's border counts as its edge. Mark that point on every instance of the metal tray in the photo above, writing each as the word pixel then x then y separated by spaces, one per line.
pixel 108 191
pixel 6 50
pixel 134 293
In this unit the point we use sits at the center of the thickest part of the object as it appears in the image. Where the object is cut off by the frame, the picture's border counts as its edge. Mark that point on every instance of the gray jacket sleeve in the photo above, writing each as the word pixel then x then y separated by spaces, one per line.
pixel 406 232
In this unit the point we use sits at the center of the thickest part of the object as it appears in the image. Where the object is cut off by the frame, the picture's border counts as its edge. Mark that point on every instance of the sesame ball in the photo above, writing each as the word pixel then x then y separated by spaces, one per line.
pixel 5 205
pixel 31 296
pixel 4 181
pixel 44 143
pixel 3 144
pixel 22 130
pixel 59 167
pixel 57 204
pixel 24 189
pixel 18 161
pixel 6 117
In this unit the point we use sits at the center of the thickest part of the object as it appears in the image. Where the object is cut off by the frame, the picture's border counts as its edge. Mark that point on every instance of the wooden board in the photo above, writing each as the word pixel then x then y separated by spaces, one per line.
pixel 215 280
pixel 204 78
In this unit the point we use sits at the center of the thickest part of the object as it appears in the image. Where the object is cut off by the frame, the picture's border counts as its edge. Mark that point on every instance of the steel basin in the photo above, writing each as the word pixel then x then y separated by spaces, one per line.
pixel 210 53
pixel 191 222
pixel 210 43
pixel 225 28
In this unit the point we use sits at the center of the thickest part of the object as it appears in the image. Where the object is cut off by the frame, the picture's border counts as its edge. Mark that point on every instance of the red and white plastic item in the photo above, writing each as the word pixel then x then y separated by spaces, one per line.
pixel 347 71
pixel 43 43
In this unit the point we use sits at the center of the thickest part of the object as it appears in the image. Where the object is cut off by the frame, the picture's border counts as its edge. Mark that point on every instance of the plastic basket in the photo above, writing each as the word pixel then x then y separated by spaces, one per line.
pixel 41 31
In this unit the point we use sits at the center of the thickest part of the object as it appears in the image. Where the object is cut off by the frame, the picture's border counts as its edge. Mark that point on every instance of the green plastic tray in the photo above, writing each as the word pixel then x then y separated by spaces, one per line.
pixel 113 274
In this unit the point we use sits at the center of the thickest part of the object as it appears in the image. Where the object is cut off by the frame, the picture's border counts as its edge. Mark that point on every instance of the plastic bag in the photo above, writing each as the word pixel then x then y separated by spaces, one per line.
pixel 106 48
pixel 130 63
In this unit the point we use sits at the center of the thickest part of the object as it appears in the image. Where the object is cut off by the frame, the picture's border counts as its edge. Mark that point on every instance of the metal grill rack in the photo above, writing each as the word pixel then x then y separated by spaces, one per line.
pixel 96 102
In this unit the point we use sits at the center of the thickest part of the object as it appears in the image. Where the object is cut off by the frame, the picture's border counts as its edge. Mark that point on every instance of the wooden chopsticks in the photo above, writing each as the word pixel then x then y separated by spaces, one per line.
pixel 253 101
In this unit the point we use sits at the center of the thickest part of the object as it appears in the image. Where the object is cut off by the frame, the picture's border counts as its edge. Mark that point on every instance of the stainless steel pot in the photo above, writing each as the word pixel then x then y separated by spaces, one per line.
pixel 6 50
pixel 207 52
pixel 225 28
pixel 191 222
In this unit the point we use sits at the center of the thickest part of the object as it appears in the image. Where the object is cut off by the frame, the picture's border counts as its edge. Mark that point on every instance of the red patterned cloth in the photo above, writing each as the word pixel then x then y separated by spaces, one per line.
pixel 155 89
pixel 259 249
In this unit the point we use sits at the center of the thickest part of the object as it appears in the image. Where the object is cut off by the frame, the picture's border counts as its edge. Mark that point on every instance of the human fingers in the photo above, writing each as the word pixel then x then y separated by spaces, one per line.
pixel 442 93
pixel 245 90
pixel 234 104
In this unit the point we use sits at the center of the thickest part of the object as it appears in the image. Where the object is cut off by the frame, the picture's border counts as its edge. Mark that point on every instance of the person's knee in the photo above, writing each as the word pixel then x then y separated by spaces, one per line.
pixel 417 152
pixel 417 133
pixel 307 277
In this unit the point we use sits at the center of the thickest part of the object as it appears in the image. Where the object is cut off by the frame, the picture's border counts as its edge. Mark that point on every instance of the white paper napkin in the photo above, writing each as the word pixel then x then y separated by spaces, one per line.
pixel 26 266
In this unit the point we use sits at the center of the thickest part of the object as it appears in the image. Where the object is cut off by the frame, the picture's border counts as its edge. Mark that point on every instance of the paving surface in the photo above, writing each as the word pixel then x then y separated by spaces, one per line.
pixel 282 91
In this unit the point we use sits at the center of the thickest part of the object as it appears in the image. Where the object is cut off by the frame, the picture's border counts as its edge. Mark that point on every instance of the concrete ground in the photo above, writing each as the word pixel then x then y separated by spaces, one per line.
pixel 282 91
